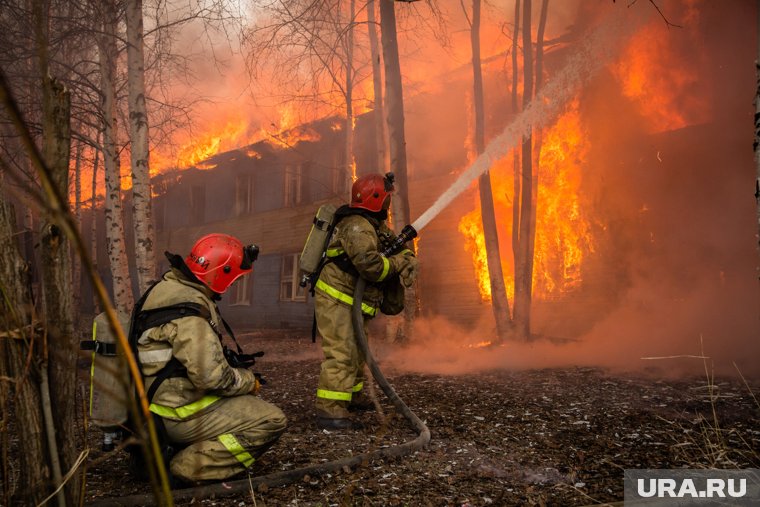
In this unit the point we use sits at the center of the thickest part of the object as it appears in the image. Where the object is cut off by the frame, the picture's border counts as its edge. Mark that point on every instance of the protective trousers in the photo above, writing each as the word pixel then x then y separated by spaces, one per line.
pixel 226 440
pixel 342 374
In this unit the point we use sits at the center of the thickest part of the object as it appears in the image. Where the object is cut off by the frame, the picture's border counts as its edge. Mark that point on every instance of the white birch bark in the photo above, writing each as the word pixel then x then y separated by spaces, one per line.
pixel 394 101
pixel 115 244
pixel 381 128
pixel 94 224
pixel 139 153
pixel 350 93
pixel 76 269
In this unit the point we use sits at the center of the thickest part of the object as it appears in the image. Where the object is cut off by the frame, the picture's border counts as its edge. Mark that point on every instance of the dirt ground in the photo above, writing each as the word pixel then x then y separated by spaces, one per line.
pixel 536 437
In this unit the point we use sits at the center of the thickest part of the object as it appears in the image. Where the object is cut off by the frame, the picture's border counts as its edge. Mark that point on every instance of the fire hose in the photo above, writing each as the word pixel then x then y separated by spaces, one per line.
pixel 233 488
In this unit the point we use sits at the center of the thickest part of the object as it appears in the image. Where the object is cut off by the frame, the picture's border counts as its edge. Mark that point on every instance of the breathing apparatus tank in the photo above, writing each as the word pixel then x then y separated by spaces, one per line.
pixel 316 243
pixel 109 379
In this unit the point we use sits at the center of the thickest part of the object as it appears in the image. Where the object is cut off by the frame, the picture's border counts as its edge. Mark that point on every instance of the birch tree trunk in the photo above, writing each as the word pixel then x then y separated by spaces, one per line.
pixel 115 244
pixel 537 144
pixel 76 270
pixel 139 153
pixel 523 264
pixel 499 300
pixel 62 340
pixel 18 362
pixel 515 152
pixel 394 101
pixel 381 128
pixel 350 168
pixel 94 224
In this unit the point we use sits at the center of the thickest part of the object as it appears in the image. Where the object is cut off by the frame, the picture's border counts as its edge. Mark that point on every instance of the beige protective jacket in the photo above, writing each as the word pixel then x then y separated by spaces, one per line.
pixel 195 343
pixel 361 238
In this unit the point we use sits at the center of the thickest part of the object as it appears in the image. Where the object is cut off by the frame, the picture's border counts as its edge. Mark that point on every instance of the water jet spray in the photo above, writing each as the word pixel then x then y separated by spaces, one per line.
pixel 593 54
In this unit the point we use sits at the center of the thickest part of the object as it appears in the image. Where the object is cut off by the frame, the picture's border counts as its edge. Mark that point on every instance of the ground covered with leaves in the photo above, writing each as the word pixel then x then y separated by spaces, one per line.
pixel 534 437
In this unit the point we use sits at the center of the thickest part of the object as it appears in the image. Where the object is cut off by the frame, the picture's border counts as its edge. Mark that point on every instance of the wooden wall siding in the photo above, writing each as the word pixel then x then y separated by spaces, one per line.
pixel 278 231
pixel 266 310
pixel 447 278
pixel 448 285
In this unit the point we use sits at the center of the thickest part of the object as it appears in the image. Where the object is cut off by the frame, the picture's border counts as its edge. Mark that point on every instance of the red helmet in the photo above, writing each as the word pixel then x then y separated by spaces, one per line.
pixel 218 260
pixel 371 191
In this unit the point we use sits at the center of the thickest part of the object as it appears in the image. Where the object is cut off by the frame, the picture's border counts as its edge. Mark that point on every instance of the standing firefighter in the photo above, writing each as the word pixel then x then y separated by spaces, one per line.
pixel 205 404
pixel 359 237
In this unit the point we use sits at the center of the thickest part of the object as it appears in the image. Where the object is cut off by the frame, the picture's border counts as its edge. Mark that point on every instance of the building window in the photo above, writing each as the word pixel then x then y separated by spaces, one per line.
pixel 290 289
pixel 197 203
pixel 241 291
pixel 293 184
pixel 243 194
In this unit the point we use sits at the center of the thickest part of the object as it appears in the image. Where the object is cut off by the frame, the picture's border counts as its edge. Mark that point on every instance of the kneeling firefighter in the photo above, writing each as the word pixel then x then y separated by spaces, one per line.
pixel 206 404
pixel 359 235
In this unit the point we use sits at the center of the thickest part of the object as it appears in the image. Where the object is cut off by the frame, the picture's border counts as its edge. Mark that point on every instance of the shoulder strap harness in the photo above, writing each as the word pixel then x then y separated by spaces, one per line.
pixel 143 320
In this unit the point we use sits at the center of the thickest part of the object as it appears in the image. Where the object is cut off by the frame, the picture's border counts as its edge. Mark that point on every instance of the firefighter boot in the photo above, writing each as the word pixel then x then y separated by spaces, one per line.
pixel 325 422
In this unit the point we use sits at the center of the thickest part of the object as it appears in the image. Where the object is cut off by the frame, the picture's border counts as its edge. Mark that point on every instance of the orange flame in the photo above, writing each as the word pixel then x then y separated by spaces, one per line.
pixel 479 345
pixel 201 147
pixel 562 231
pixel 289 130
pixel 471 226
pixel 232 134
pixel 251 153
pixel 654 77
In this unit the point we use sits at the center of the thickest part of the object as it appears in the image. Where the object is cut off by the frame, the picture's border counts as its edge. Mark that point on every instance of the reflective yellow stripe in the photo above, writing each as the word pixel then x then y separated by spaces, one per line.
pixel 334 252
pixel 231 443
pixel 184 411
pixel 333 395
pixel 386 269
pixel 92 365
pixel 344 298
pixel 402 252
pixel 358 387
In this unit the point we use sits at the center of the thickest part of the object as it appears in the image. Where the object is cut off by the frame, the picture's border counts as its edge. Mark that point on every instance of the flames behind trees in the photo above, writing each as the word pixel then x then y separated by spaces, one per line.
pixel 593 207
pixel 644 241
pixel 562 230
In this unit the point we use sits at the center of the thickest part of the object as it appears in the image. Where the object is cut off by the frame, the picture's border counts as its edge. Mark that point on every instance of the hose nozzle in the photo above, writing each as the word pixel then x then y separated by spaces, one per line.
pixel 408 233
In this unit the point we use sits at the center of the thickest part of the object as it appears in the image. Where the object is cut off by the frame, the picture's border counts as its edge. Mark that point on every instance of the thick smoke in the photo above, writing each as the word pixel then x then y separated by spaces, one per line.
pixel 672 285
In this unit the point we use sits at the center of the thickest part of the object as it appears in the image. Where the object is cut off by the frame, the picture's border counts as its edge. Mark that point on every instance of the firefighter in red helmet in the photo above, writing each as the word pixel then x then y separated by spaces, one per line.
pixel 360 236
pixel 206 403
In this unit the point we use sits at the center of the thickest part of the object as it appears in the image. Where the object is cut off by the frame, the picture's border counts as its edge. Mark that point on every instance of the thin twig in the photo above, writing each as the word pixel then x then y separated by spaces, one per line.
pixel 662 15
pixel 82 456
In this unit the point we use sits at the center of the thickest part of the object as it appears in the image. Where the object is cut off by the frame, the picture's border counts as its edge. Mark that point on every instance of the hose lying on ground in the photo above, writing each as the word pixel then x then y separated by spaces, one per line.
pixel 234 488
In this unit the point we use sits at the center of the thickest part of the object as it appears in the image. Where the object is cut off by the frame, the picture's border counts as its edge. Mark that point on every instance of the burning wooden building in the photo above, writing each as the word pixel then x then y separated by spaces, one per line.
pixel 638 179
pixel 267 193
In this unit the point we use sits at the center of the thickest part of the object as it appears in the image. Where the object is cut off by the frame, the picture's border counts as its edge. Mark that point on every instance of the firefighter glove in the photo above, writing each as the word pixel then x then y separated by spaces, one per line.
pixel 256 386
pixel 408 271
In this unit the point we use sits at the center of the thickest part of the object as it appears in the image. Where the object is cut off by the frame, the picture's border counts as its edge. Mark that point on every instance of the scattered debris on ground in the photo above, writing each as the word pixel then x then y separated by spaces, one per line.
pixel 537 437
